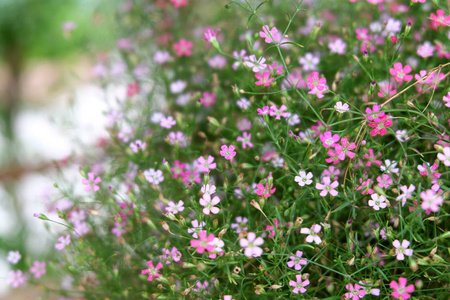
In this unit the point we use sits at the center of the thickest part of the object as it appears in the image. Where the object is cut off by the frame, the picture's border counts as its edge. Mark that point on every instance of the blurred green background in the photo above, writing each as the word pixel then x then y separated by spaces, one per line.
pixel 47 49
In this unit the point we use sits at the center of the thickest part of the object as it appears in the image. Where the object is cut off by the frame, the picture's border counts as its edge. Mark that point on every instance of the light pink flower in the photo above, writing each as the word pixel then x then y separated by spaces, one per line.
pixel 38 269
pixel 401 249
pixel 209 204
pixel 299 286
pixel 312 233
pixel 431 200
pixel 206 165
pixel 228 152
pixel 354 292
pixel 175 208
pixel 63 242
pixel 378 201
pixel 91 182
pixel 245 139
pixel 327 187
pixel 251 245
pixel 296 261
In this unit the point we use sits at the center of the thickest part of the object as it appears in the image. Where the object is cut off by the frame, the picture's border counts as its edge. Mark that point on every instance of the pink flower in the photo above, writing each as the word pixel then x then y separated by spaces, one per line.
pixel 384 181
pixel 299 286
pixel 362 34
pixel 327 187
pixel 439 18
pixel 296 261
pixel 209 204
pixel 91 182
pixel 178 168
pixel 431 201
pixel 401 249
pixel 374 114
pixel 328 139
pixel 446 99
pixel 265 191
pixel 167 122
pixel 228 152
pixel 38 269
pixel 312 234
pixel 344 149
pixel 14 257
pixel 425 50
pixel 334 157
pixel 118 229
pixel 400 73
pixel 204 165
pixel 372 158
pixel 264 79
pixel 270 35
pixel 263 111
pixel 245 139
pixel 183 47
pixel 152 271
pixel 16 278
pixel 315 83
pixel 354 292
pixel 209 34
pixel 136 145
pixel 400 288
pixel 204 243
pixel 251 245
pixel 208 99
pixel 278 113
pixel 63 242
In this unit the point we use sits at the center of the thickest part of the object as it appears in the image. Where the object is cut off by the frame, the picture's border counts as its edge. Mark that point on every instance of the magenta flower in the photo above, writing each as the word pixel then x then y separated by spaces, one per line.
pixel 446 99
pixel 344 149
pixel 179 3
pixel 183 47
pixel 312 234
pixel 354 292
pixel 316 83
pixel 264 79
pixel 401 72
pixel 265 191
pixel 228 152
pixel 400 288
pixel 91 182
pixel 380 127
pixel 299 286
pixel 251 244
pixel 334 156
pixel 208 99
pixel 206 165
pixel 327 187
pixel 328 139
pixel 296 261
pixel 152 271
pixel 401 249
pixel 178 168
pixel 38 269
pixel 209 204
pixel 204 243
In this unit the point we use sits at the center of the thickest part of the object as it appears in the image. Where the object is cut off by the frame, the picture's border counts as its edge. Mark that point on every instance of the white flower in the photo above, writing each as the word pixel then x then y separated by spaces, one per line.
pixel 303 178
pixel 389 167
pixel 278 162
pixel 402 135
pixel 153 176
pixel 377 202
pixel 341 108
pixel 445 157
pixel 14 257
pixel 256 65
